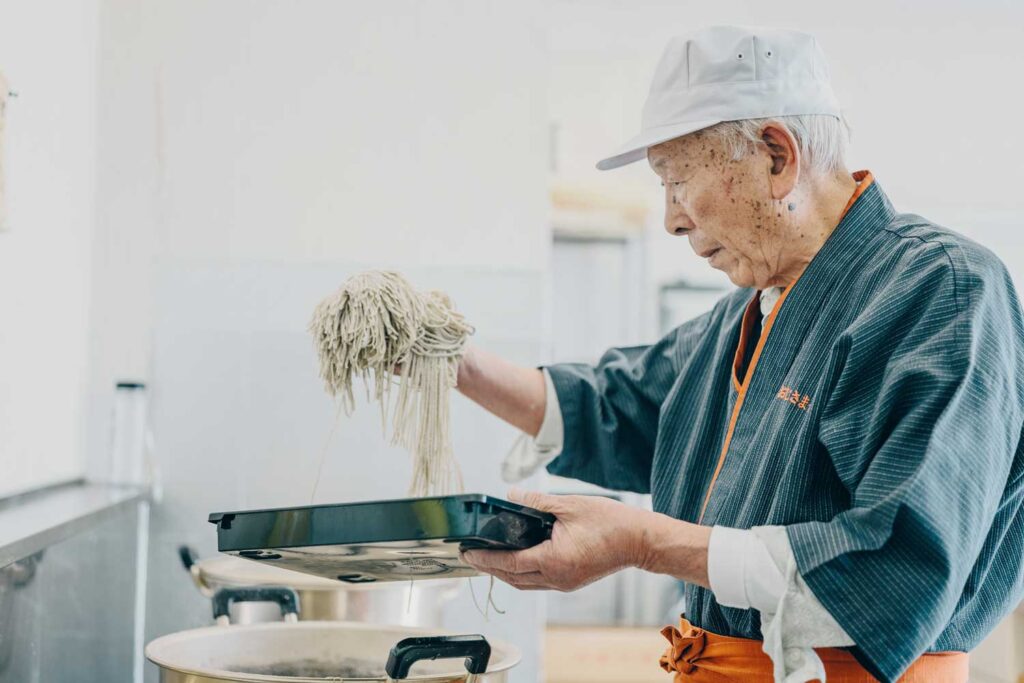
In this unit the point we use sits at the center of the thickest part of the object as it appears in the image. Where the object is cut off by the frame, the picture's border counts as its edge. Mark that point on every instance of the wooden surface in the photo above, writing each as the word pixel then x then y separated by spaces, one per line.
pixel 603 655
pixel 630 655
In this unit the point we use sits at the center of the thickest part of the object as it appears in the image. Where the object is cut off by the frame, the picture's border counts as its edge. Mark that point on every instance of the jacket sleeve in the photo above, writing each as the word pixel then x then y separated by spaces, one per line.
pixel 611 410
pixel 923 426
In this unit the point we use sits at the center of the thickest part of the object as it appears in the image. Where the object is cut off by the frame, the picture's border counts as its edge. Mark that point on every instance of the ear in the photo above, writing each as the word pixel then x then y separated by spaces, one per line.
pixel 784 153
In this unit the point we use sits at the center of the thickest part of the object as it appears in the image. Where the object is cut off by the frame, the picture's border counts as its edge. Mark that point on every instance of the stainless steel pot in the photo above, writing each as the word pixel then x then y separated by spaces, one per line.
pixel 311 652
pixel 419 603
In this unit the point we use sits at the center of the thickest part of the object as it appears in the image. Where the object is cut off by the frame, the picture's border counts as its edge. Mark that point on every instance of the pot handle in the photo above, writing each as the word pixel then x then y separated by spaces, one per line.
pixel 190 560
pixel 475 649
pixel 188 556
pixel 286 597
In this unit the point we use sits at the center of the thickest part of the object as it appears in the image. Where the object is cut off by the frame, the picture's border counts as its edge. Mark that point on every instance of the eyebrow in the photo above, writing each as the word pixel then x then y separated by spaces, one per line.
pixel 659 163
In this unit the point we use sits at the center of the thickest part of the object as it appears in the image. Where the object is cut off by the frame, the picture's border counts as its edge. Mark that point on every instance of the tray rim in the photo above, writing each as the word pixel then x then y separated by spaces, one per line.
pixel 482 498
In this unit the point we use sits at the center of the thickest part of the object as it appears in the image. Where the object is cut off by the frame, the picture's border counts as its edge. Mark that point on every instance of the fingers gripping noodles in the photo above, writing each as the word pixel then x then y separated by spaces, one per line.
pixel 377 325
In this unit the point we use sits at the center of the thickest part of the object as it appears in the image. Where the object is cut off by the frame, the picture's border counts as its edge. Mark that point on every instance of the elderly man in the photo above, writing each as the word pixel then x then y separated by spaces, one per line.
pixel 834 451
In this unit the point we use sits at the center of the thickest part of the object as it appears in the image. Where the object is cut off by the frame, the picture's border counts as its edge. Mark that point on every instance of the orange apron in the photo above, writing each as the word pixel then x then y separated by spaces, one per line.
pixel 698 656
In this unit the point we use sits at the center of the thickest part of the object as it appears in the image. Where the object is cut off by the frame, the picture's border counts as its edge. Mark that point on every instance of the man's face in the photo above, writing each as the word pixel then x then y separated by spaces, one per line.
pixel 725 207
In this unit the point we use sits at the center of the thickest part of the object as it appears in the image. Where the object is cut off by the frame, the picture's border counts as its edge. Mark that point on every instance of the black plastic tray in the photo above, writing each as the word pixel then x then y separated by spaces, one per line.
pixel 386 540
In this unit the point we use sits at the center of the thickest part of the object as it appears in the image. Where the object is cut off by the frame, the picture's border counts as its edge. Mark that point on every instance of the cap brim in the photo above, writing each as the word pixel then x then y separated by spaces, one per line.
pixel 636 149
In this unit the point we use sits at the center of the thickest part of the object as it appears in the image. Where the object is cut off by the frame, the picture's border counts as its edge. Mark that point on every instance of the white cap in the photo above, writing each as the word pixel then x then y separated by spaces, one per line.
pixel 728 73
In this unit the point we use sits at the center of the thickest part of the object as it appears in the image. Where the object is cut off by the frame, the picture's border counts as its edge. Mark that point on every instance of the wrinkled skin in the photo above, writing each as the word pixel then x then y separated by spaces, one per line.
pixel 768 216
pixel 576 543
pixel 593 537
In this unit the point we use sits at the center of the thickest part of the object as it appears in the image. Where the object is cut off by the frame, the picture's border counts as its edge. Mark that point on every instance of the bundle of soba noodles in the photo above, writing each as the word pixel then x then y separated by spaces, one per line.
pixel 378 325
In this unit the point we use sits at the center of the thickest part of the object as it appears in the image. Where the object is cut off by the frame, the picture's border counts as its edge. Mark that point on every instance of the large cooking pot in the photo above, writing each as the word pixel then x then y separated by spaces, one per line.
pixel 311 651
pixel 419 603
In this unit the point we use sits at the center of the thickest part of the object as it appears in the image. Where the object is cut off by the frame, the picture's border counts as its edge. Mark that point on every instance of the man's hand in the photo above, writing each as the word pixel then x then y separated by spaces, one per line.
pixel 592 538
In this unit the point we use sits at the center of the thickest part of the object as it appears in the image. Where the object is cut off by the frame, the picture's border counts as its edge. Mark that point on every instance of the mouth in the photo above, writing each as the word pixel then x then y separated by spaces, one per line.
pixel 709 254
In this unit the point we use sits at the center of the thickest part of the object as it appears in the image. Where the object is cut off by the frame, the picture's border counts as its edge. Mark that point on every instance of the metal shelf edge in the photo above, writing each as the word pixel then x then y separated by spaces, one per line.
pixel 34 521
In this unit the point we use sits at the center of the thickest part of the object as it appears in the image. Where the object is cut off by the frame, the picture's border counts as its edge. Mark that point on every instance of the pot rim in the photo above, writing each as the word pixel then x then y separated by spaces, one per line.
pixel 511 655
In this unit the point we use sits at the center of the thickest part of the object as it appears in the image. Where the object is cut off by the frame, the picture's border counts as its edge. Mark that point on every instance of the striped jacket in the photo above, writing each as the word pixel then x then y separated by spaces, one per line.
pixel 879 419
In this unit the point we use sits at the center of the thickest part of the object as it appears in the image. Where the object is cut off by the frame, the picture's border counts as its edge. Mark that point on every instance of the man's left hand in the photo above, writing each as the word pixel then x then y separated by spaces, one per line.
pixel 593 537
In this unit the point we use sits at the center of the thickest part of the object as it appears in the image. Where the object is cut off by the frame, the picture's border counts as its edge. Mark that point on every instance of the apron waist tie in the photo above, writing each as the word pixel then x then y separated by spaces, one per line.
pixel 699 656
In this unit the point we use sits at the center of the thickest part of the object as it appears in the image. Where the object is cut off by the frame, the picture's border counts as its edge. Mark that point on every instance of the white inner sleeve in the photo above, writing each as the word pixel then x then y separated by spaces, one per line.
pixel 528 454
pixel 756 569
pixel 742 572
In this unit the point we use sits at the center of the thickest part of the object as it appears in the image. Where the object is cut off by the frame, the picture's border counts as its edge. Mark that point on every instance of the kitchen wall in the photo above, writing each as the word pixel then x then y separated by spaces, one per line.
pixel 254 154
pixel 45 261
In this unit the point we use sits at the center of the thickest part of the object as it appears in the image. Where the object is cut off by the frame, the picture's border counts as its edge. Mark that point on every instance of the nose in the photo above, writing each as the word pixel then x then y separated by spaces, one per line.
pixel 676 220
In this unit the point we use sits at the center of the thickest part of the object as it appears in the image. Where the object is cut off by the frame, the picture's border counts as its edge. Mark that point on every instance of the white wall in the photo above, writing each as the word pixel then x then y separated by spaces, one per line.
pixel 252 155
pixel 929 88
pixel 381 134
pixel 50 142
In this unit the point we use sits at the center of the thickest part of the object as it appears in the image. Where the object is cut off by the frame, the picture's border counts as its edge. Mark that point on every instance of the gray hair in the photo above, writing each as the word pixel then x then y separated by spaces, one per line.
pixel 822 139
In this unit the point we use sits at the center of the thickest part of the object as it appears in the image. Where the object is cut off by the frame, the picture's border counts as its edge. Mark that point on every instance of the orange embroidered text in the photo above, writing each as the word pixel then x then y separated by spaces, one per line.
pixel 801 401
